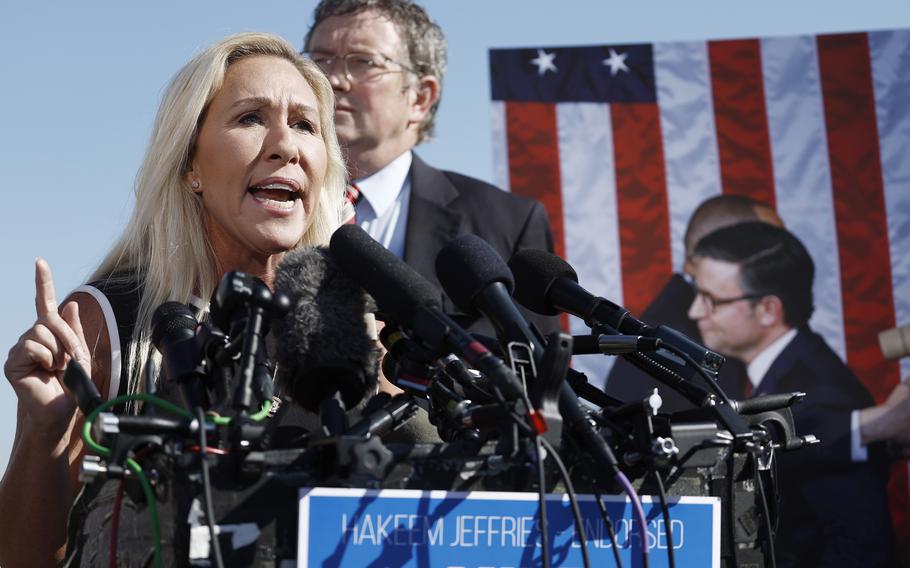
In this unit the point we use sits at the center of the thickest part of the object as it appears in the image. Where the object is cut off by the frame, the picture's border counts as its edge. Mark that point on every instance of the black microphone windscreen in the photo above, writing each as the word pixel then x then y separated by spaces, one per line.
pixel 397 288
pixel 323 341
pixel 467 265
pixel 535 272
pixel 174 336
pixel 171 317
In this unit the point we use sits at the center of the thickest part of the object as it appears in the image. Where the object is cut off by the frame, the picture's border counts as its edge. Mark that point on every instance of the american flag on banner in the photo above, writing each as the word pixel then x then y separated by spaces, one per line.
pixel 622 142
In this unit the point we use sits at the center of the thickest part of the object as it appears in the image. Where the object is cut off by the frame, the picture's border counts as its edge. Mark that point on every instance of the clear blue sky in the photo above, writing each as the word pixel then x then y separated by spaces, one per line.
pixel 81 82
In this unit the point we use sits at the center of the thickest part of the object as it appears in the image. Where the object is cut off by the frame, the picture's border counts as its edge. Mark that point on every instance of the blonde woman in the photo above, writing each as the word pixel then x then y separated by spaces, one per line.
pixel 243 166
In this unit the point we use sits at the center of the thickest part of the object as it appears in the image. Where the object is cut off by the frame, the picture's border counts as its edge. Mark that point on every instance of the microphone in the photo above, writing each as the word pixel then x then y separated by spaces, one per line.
pixel 895 343
pixel 235 294
pixel 174 336
pixel 325 352
pixel 547 284
pixel 414 303
pixel 478 280
pixel 605 344
pixel 766 402
pixel 242 305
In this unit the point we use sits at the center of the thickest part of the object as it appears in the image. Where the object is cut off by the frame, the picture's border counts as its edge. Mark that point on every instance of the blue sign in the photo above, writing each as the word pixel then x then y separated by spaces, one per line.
pixel 480 529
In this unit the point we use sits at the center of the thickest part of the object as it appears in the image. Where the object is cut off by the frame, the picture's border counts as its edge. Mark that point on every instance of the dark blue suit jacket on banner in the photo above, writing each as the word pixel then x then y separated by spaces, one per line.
pixel 833 511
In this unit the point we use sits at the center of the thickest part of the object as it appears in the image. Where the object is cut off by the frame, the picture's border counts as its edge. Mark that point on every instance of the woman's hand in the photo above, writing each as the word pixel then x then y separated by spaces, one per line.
pixel 36 363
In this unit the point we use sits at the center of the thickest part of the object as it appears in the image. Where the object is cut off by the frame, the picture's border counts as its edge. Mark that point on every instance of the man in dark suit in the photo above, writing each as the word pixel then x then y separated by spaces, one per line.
pixel 625 381
pixel 753 301
pixel 385 60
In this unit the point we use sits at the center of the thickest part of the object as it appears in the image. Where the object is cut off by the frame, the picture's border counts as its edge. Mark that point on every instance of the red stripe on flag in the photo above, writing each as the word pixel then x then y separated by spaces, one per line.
pixel 534 160
pixel 862 229
pixel 859 206
pixel 743 142
pixel 534 164
pixel 641 198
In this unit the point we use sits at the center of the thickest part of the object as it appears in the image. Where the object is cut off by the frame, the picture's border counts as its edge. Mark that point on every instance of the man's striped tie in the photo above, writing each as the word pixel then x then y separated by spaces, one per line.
pixel 353 195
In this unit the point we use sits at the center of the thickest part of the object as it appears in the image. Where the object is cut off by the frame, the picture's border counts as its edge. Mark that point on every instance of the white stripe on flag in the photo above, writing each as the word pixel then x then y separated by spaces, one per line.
pixel 500 145
pixel 890 53
pixel 689 135
pixel 586 164
pixel 802 174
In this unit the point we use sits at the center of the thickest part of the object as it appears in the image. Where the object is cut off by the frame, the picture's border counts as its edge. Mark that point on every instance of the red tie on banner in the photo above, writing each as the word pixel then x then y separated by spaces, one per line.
pixel 747 387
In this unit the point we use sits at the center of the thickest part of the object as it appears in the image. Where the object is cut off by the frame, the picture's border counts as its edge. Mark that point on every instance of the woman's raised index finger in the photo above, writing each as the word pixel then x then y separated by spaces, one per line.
pixel 45 297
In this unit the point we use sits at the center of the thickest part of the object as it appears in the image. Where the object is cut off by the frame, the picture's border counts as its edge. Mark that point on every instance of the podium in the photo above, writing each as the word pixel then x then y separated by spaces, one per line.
pixel 440 505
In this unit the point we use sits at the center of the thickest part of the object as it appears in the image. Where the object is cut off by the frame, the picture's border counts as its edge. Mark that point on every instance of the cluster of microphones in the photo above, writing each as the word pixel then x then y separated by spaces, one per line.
pixel 310 341
pixel 327 361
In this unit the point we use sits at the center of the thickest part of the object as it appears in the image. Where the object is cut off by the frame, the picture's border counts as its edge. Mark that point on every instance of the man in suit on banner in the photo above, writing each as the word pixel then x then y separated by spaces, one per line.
pixel 386 60
pixel 625 381
pixel 753 301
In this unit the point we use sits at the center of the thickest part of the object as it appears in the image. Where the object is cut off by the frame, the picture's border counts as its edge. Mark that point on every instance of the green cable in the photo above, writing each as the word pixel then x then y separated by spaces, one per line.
pixel 87 426
pixel 130 462
pixel 264 413
pixel 218 420
pixel 134 465
pixel 153 508
pixel 258 417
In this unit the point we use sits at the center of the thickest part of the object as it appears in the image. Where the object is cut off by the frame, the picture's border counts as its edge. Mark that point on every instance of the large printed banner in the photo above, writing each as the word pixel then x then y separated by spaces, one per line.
pixel 482 529
pixel 622 142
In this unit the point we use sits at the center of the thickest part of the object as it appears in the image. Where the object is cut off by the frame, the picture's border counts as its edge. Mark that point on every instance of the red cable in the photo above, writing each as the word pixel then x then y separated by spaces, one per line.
pixel 118 502
pixel 115 524
pixel 209 450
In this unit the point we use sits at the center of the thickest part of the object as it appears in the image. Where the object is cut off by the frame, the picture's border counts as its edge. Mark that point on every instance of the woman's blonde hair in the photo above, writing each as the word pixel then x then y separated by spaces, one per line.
pixel 165 249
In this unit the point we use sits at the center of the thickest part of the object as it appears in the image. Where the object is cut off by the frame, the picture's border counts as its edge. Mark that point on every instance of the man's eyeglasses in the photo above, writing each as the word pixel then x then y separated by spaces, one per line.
pixel 712 303
pixel 358 67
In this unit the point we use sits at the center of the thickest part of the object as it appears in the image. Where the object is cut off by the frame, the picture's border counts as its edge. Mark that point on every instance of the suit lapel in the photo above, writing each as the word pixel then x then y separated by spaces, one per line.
pixel 431 222
pixel 780 368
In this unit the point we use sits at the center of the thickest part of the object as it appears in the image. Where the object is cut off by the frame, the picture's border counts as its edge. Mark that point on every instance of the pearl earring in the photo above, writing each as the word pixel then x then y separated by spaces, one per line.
pixel 195 184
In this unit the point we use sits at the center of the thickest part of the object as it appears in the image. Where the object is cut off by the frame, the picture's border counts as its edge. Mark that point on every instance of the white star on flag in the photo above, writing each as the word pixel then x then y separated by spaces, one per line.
pixel 616 62
pixel 544 62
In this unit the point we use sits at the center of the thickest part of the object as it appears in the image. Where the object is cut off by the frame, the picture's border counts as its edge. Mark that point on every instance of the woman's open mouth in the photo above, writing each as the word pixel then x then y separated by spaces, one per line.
pixel 276 195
